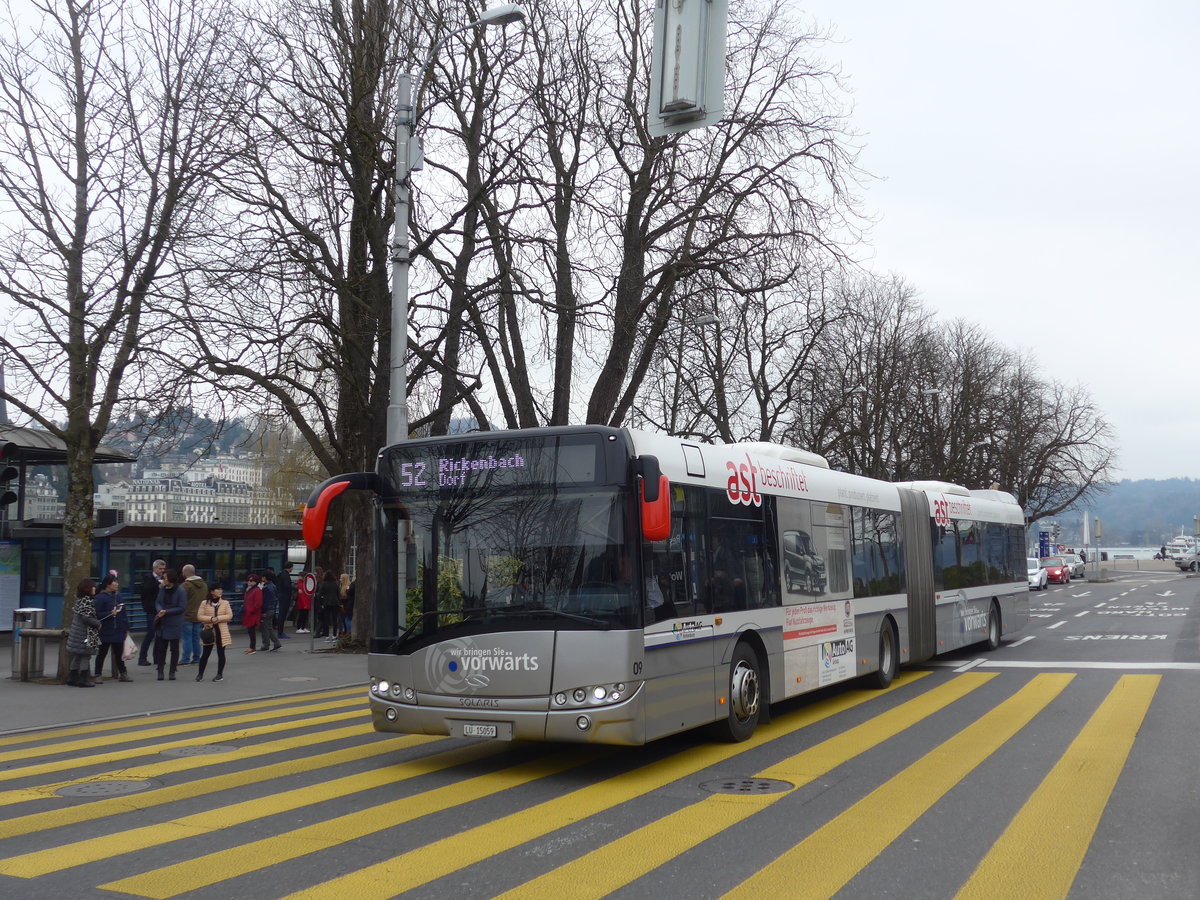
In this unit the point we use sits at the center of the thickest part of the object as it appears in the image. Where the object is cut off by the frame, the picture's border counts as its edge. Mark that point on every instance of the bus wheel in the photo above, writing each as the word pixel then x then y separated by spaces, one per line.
pixel 745 685
pixel 993 638
pixel 889 660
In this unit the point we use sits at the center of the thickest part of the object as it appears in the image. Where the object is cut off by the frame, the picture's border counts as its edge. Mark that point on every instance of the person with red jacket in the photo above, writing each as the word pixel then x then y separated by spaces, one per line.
pixel 304 602
pixel 252 608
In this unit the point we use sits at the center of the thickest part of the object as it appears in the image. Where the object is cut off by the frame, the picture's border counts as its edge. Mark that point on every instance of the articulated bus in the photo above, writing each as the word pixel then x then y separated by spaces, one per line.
pixel 607 585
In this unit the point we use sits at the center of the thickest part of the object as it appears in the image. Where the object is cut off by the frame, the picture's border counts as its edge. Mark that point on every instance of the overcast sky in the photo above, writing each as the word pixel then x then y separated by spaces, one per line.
pixel 1037 174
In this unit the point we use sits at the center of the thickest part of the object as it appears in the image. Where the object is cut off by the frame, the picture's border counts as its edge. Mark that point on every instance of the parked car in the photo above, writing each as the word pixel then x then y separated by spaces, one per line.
pixel 1057 569
pixel 1189 562
pixel 1037 575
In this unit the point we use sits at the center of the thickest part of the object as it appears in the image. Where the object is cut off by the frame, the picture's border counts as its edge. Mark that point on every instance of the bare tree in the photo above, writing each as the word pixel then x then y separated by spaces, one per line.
pixel 291 308
pixel 1054 449
pixel 112 116
pixel 571 240
pixel 750 367
pixel 900 396
pixel 863 409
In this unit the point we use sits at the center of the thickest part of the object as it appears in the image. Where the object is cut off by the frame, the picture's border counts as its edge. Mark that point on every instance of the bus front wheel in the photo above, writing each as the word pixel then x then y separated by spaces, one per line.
pixel 742 709
pixel 889 660
pixel 993 638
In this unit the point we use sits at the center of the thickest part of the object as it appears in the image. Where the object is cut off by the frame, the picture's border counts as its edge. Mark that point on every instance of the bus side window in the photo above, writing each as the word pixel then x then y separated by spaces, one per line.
pixel 663 576
pixel 739 570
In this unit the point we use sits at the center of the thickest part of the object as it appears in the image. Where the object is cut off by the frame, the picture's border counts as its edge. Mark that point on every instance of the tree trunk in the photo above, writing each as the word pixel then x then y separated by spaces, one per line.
pixel 77 534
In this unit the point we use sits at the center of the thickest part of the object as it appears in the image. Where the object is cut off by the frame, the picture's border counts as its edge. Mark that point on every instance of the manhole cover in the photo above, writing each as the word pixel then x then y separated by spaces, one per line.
pixel 198 750
pixel 104 788
pixel 299 678
pixel 747 786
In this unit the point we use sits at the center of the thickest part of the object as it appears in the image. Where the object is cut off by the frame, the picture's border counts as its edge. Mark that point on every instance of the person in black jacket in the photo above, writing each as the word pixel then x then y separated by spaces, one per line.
pixel 170 604
pixel 283 587
pixel 114 625
pixel 148 591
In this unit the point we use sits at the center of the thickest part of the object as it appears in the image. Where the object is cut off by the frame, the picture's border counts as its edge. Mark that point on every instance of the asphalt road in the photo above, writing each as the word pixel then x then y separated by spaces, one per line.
pixel 1062 764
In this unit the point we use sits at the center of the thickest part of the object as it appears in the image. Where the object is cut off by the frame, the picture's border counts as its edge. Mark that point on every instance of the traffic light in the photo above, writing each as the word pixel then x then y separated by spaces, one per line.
pixel 8 493
pixel 8 474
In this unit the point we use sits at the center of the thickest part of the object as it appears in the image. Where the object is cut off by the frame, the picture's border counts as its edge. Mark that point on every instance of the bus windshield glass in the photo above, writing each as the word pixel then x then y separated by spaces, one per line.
pixel 491 536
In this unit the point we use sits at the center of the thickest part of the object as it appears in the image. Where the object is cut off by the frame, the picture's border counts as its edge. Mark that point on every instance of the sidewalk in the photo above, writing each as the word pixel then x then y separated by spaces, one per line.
pixel 300 667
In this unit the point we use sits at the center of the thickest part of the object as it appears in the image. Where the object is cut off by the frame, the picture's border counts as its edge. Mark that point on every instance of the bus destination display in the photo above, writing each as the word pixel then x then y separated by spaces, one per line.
pixel 487 465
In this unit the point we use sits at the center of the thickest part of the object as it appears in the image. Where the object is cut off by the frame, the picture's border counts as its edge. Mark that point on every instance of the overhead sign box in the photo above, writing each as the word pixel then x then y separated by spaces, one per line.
pixel 687 65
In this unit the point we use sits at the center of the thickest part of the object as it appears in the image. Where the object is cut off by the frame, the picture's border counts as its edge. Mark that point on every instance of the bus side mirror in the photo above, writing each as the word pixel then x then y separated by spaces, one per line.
pixel 656 509
pixel 316 511
pixel 651 472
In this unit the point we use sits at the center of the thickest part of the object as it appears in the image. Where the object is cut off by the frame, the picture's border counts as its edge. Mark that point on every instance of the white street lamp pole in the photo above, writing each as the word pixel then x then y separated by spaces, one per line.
pixel 406 123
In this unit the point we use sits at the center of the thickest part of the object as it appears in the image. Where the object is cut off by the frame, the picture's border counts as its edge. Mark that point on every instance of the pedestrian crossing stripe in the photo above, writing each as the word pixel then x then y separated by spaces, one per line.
pixel 826 857
pixel 196 715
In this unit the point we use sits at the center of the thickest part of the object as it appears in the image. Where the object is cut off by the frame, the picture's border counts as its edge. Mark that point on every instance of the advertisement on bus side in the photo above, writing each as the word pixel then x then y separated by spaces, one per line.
pixel 818 644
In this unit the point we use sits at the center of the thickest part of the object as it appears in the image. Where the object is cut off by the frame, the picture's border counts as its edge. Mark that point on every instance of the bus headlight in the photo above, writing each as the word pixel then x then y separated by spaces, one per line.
pixel 593 695
pixel 393 690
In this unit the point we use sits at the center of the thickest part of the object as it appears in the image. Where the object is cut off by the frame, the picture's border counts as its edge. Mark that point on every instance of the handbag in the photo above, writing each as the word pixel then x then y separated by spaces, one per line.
pixel 129 651
pixel 208 635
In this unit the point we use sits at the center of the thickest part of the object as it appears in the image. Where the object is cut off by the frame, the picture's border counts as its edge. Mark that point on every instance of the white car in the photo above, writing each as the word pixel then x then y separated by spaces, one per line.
pixel 1078 567
pixel 1037 575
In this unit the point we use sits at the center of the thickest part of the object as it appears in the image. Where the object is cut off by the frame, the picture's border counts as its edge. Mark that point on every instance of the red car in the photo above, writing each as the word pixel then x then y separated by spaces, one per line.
pixel 1057 569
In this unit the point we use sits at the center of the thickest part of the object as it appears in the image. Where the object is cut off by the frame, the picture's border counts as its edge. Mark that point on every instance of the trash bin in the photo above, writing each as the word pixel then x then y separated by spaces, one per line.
pixel 28 617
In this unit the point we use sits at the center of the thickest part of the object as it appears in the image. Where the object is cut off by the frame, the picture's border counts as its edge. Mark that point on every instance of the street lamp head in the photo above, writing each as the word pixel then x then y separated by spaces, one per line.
pixel 504 14
pixel 702 320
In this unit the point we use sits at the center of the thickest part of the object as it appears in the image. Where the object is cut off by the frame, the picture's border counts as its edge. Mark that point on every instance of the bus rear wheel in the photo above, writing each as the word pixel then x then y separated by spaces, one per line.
pixel 745 697
pixel 889 660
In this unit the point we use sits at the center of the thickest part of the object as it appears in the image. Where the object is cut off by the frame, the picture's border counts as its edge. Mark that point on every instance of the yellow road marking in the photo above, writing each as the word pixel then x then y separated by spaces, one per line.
pixel 185 763
pixel 611 867
pixel 211 868
pixel 129 736
pixel 65 856
pixel 183 716
pixel 87 812
pixel 827 859
pixel 147 749
pixel 1041 850
pixel 401 873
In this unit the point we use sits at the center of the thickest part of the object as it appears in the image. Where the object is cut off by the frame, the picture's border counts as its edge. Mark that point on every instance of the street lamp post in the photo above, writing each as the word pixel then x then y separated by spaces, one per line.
pixel 406 123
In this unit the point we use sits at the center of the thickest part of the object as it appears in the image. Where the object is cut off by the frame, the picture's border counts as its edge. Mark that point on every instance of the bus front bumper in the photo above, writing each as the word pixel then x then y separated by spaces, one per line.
pixel 619 723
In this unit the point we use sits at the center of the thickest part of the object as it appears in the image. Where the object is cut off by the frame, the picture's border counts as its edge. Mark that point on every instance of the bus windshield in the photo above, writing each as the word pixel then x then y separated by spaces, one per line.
pixel 519 533
pixel 514 562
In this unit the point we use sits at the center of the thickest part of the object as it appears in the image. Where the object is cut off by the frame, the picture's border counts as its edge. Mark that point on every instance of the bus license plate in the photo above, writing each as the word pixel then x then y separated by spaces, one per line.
pixel 483 731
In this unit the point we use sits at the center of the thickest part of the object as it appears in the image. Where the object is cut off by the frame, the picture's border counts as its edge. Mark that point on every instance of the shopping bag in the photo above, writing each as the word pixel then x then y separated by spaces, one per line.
pixel 131 648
